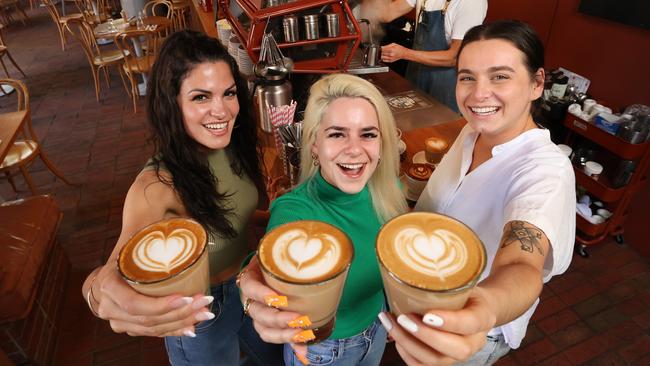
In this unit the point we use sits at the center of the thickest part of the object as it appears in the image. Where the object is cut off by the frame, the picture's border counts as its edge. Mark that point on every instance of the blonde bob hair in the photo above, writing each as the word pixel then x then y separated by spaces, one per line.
pixel 387 197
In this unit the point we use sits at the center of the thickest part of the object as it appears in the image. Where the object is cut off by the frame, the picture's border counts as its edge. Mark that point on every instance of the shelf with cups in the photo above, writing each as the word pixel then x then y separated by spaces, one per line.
pixel 625 167
pixel 312 47
pixel 608 141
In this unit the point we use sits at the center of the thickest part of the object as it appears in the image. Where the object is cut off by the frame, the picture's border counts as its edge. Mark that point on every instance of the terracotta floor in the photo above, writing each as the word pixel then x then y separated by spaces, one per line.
pixel 596 314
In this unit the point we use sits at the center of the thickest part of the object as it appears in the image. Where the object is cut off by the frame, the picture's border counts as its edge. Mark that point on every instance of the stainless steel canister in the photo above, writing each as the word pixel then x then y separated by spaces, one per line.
pixel 272 3
pixel 311 26
pixel 290 27
pixel 332 24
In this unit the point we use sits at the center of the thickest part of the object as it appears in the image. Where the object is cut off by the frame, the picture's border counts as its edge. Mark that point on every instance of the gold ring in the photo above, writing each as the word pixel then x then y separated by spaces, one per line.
pixel 240 275
pixel 247 305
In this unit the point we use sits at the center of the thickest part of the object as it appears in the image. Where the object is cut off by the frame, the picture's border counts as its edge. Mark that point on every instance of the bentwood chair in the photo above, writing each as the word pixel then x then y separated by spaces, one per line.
pixel 8 8
pixel 160 8
pixel 139 48
pixel 60 21
pixel 4 51
pixel 180 10
pixel 98 58
pixel 27 147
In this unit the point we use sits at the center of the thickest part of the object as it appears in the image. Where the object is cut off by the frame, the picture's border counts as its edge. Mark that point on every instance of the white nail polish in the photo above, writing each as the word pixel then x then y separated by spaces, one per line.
pixel 204 315
pixel 407 323
pixel 189 333
pixel 204 301
pixel 432 320
pixel 385 321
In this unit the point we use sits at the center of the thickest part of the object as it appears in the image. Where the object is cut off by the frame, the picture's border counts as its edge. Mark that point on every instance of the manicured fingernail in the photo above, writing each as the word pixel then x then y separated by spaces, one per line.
pixel 181 301
pixel 300 322
pixel 302 358
pixel 432 320
pixel 276 301
pixel 304 336
pixel 407 323
pixel 204 301
pixel 204 315
pixel 385 321
pixel 189 333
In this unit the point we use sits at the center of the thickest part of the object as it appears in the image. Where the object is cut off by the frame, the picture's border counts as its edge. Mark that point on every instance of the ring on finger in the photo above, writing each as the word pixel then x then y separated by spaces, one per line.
pixel 247 305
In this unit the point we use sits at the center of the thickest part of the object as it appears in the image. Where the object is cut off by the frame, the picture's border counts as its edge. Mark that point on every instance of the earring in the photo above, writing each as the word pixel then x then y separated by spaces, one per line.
pixel 378 160
pixel 314 157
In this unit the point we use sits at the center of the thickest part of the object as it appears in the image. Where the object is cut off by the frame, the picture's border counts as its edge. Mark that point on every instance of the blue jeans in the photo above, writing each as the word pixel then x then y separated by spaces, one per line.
pixel 495 348
pixel 218 340
pixel 364 349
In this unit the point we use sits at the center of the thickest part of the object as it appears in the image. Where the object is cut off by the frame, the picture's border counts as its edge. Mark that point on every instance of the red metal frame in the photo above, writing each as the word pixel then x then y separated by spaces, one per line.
pixel 347 42
pixel 618 198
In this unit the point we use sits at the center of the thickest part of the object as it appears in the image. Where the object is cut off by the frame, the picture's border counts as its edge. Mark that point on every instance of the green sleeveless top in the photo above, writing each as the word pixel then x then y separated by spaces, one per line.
pixel 242 200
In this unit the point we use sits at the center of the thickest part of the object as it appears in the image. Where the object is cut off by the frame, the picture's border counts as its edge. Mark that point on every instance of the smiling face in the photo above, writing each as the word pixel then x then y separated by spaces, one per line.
pixel 348 143
pixel 209 105
pixel 495 89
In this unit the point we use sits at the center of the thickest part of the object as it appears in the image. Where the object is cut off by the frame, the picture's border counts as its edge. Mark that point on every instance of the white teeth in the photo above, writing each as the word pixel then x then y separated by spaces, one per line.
pixel 351 166
pixel 484 110
pixel 216 126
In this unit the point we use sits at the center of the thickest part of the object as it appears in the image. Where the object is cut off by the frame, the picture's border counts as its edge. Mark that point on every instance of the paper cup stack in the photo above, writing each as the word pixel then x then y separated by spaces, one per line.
pixel 224 30
pixel 244 61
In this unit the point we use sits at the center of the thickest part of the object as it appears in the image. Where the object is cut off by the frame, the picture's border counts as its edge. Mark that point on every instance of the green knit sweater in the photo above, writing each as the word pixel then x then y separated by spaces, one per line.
pixel 354 214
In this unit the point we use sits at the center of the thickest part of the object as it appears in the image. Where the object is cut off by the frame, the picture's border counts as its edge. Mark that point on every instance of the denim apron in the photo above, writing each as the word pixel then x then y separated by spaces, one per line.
pixel 439 82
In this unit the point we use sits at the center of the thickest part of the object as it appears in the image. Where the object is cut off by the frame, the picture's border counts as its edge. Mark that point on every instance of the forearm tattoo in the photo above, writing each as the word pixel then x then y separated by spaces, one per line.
pixel 528 237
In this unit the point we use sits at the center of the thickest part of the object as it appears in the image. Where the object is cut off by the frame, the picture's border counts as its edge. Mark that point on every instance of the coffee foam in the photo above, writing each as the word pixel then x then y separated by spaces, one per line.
pixel 162 249
pixel 430 251
pixel 305 251
pixel 435 144
pixel 420 171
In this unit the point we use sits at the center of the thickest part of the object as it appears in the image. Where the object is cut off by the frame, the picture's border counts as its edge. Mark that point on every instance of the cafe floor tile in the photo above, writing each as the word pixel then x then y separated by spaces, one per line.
pixel 597 313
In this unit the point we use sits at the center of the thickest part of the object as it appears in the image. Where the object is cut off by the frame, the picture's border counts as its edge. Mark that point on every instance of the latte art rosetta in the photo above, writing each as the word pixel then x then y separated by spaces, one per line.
pixel 156 252
pixel 440 253
pixel 303 257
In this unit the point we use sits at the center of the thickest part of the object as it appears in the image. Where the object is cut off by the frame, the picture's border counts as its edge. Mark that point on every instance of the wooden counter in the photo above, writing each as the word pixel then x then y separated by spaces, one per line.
pixel 201 21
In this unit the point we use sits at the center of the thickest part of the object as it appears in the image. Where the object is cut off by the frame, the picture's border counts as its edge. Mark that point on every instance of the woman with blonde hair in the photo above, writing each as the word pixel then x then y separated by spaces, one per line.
pixel 349 179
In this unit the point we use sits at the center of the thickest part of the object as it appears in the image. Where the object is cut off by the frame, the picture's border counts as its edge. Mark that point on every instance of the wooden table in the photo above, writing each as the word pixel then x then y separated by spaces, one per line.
pixel 10 125
pixel 104 30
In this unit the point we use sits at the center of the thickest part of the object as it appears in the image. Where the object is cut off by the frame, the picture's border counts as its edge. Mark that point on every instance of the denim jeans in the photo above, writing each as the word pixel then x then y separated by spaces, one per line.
pixel 364 349
pixel 218 340
pixel 495 348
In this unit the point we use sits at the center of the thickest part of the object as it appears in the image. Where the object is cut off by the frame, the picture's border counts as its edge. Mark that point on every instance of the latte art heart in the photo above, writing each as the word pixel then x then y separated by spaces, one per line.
pixel 159 253
pixel 304 257
pixel 440 253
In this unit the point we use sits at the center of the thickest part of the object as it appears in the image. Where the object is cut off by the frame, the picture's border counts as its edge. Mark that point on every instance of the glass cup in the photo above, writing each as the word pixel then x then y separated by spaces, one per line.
pixel 308 262
pixel 428 261
pixel 167 257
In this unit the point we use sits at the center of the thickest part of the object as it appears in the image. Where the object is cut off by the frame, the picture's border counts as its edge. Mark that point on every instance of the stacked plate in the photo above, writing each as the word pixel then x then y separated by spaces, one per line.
pixel 244 61
pixel 224 30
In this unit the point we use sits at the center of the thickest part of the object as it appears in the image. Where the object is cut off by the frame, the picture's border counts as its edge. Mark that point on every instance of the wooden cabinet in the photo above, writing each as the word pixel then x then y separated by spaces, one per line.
pixel 617 199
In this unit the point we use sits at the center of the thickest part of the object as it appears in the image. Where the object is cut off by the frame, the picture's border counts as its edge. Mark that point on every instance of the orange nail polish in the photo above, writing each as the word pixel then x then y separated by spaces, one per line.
pixel 300 322
pixel 302 358
pixel 304 336
pixel 276 301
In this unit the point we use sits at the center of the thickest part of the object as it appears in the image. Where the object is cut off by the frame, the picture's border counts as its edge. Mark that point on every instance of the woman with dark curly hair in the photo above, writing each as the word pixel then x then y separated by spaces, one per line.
pixel 206 167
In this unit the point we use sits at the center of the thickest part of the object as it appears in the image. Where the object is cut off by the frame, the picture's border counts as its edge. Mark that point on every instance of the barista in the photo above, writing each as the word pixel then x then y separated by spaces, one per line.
pixel 440 28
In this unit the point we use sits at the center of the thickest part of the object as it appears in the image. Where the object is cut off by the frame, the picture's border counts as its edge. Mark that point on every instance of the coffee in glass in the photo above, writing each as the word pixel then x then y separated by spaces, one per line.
pixel 308 261
pixel 167 257
pixel 428 261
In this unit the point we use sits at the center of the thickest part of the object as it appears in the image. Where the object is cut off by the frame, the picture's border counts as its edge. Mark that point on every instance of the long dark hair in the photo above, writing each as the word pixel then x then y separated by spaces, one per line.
pixel 185 159
pixel 521 35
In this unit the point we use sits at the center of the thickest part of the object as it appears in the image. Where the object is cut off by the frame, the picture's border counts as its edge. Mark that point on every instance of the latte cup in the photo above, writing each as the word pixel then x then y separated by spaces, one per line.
pixel 417 176
pixel 308 262
pixel 434 149
pixel 428 261
pixel 167 257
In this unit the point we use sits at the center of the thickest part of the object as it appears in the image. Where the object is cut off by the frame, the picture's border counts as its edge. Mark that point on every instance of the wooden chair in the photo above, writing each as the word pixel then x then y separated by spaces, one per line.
pixel 180 9
pixel 8 8
pixel 137 61
pixel 4 51
pixel 60 21
pixel 160 8
pixel 98 58
pixel 27 147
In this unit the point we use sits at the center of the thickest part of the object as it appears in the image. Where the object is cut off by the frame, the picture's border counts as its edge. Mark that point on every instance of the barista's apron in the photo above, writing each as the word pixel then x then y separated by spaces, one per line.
pixel 439 82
